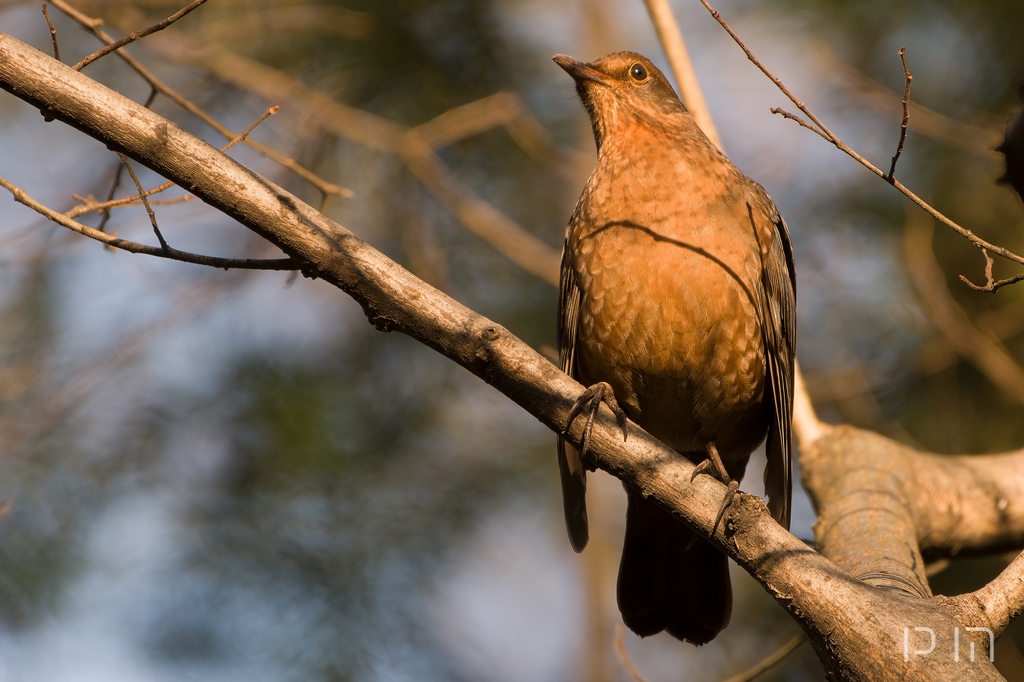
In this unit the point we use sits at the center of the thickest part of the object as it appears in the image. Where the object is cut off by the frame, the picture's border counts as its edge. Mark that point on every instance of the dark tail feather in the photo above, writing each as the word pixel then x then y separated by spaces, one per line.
pixel 574 495
pixel 664 586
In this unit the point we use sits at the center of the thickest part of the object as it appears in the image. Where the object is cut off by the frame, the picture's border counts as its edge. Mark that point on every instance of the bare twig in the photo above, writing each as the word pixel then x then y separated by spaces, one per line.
pixel 839 144
pixel 672 40
pixel 22 197
pixel 769 661
pixel 135 35
pixel 992 284
pixel 245 133
pixel 978 138
pixel 53 33
pixel 906 115
pixel 793 117
pixel 90 206
pixel 105 212
pixel 477 215
pixel 145 202
pixel 93 25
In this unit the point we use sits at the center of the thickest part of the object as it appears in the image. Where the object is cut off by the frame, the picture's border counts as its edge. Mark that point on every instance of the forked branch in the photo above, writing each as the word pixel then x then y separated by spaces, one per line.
pixel 821 129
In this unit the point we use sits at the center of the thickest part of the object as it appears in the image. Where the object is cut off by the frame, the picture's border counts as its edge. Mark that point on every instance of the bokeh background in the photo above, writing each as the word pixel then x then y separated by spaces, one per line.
pixel 216 475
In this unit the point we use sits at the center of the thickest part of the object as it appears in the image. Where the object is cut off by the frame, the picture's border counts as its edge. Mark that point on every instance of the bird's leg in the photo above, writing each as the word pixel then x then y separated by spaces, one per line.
pixel 714 466
pixel 590 400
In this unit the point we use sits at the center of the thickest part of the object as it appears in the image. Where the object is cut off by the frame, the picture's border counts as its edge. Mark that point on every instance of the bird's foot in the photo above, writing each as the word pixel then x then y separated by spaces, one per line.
pixel 713 466
pixel 590 401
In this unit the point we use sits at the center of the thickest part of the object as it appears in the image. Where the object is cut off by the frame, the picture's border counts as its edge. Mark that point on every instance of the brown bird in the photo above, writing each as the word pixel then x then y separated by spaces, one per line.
pixel 677 302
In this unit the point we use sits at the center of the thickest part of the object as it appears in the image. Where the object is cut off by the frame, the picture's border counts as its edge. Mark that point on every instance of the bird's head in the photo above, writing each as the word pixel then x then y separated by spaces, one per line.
pixel 624 89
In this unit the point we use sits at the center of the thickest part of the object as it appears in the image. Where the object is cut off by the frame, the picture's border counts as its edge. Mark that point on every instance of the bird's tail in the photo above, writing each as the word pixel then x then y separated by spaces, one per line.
pixel 665 586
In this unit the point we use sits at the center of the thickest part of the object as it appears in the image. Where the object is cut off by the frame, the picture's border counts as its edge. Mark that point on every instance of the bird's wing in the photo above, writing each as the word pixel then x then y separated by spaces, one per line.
pixel 570 466
pixel 779 329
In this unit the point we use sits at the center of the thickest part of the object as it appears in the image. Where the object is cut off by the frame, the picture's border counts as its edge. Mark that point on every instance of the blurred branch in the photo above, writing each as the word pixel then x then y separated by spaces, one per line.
pixel 479 216
pixel 623 654
pixel 978 139
pixel 984 351
pixel 302 21
pixel 806 425
pixel 770 661
pixel 93 26
pixel 859 379
pixel 817 126
pixel 689 88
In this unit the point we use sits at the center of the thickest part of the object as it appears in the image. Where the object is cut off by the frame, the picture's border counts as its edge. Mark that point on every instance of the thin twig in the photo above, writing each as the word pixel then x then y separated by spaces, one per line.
pixel 93 25
pixel 992 284
pixel 979 138
pixel 145 202
pixel 105 213
pixel 774 79
pixel 90 206
pixel 906 115
pixel 53 33
pixel 839 144
pixel 22 197
pixel 135 35
pixel 793 117
pixel 245 133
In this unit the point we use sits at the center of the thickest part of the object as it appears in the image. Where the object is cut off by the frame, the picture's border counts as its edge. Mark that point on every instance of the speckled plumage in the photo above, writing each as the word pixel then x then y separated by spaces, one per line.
pixel 677 289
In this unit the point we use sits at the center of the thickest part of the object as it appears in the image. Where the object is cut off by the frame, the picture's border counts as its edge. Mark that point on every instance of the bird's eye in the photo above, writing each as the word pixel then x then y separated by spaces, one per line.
pixel 638 72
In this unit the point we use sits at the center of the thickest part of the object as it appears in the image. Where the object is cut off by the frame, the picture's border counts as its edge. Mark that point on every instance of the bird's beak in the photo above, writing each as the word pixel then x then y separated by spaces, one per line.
pixel 580 71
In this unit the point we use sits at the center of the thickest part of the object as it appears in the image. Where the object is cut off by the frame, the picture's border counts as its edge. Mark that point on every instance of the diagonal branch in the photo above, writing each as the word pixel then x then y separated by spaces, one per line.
pixel 135 35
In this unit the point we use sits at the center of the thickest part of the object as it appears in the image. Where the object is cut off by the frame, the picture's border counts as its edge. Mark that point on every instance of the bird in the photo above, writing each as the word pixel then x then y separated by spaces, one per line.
pixel 677 298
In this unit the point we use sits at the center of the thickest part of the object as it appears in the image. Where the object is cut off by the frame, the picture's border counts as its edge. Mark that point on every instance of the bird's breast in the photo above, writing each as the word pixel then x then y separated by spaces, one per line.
pixel 669 315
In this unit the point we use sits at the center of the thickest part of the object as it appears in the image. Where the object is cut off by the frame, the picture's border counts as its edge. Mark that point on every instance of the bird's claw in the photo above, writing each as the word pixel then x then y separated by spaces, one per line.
pixel 590 400
pixel 713 466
